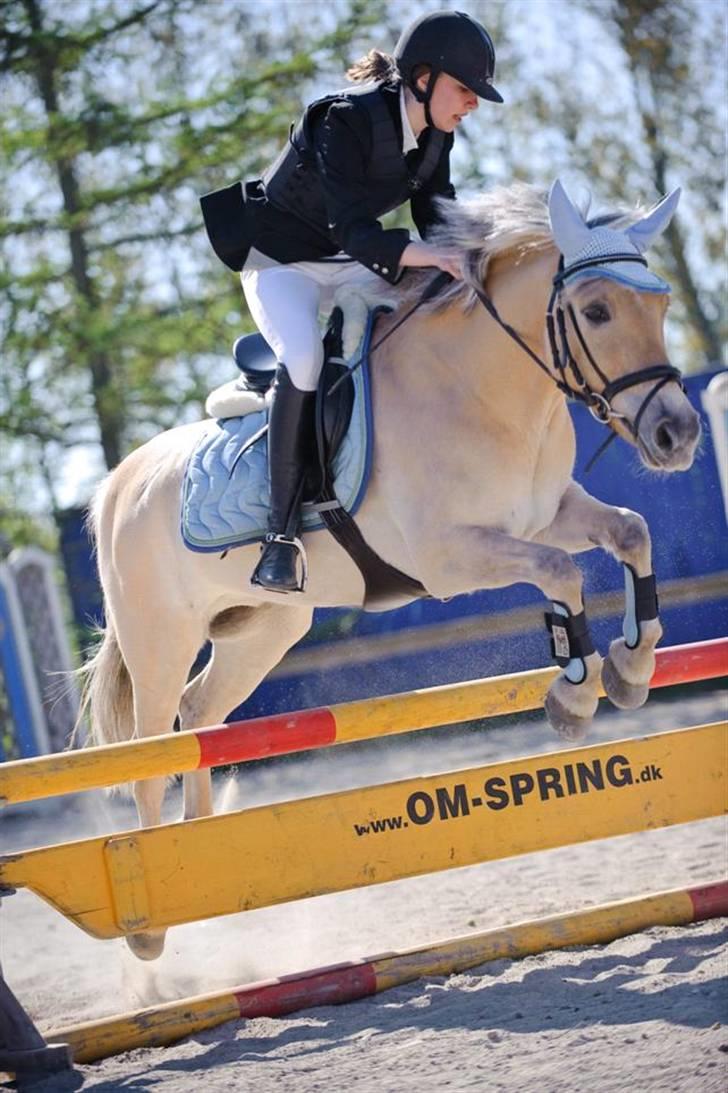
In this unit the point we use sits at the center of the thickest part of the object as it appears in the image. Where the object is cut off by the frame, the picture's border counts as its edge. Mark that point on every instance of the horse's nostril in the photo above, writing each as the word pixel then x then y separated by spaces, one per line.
pixel 664 438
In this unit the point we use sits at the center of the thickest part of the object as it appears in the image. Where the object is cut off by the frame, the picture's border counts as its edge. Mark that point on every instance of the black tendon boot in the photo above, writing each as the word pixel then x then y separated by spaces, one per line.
pixel 289 432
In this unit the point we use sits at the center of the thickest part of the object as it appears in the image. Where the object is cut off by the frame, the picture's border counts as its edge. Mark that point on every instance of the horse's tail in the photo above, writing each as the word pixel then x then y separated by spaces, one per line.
pixel 107 700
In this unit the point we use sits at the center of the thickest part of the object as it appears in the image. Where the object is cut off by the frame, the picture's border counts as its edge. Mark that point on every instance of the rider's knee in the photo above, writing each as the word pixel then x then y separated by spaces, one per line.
pixel 303 358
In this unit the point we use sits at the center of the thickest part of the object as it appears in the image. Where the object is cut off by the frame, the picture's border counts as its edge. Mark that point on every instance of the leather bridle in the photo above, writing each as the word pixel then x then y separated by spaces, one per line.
pixel 565 372
pixel 564 365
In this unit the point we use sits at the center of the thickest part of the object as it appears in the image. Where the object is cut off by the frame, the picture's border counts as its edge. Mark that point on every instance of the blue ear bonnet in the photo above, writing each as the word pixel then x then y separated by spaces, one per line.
pixel 594 248
pixel 604 242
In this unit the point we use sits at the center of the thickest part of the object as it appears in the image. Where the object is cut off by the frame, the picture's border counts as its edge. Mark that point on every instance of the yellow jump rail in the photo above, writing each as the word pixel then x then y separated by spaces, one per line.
pixel 197 869
pixel 48 776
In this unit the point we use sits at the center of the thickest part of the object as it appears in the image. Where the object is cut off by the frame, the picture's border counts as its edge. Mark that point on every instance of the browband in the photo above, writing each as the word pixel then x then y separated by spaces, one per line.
pixel 592 263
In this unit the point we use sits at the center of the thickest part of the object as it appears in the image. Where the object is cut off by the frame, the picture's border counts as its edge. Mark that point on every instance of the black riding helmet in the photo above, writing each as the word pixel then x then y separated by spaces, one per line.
pixel 451 42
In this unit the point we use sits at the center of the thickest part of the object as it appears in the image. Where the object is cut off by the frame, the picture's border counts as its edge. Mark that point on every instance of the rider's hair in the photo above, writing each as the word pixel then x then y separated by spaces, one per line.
pixel 376 66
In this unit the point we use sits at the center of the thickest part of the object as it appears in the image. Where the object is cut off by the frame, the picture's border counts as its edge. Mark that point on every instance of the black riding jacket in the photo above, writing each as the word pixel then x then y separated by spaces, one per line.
pixel 342 169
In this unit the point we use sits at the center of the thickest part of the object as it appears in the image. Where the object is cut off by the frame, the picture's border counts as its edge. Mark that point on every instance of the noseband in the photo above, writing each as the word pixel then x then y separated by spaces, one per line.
pixel 564 367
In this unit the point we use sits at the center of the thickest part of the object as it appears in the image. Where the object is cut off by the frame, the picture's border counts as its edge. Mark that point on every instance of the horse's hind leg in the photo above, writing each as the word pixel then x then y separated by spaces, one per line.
pixel 158 649
pixel 247 643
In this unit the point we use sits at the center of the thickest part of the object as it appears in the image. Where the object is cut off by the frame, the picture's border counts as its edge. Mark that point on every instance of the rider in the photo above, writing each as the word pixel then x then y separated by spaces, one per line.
pixel 311 223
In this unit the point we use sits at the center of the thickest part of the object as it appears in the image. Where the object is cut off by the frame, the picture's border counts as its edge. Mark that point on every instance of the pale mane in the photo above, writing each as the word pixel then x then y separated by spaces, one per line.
pixel 505 219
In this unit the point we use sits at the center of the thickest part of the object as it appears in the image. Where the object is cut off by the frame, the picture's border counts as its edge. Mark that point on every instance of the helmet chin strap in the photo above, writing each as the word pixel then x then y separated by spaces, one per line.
pixel 425 96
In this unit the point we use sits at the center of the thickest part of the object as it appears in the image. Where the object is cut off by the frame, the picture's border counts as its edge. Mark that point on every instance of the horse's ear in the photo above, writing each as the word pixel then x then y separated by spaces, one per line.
pixel 567 224
pixel 646 230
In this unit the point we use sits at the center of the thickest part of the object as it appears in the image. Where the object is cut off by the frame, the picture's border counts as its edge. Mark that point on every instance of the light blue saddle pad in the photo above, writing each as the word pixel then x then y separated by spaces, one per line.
pixel 225 494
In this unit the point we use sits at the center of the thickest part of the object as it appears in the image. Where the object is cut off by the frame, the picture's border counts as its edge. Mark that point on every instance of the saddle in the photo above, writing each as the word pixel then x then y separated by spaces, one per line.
pixel 384 583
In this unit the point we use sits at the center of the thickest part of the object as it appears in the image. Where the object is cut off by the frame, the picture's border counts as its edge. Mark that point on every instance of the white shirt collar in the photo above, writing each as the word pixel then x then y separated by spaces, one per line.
pixel 409 140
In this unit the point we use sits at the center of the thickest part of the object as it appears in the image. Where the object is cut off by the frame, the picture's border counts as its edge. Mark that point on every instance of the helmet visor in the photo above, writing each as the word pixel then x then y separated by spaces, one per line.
pixel 487 91
pixel 482 86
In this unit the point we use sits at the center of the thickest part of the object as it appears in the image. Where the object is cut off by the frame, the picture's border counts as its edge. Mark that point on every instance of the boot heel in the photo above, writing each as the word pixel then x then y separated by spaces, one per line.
pixel 277 569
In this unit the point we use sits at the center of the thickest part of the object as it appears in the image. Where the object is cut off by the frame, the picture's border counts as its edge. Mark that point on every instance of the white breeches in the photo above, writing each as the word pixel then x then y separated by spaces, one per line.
pixel 285 301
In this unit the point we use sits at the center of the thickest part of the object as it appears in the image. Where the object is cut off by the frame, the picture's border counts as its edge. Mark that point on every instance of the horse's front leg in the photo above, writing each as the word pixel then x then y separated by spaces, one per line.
pixel 582 523
pixel 476 557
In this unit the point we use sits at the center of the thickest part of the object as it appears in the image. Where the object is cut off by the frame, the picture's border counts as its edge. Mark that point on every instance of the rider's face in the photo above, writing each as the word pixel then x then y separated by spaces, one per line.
pixel 451 101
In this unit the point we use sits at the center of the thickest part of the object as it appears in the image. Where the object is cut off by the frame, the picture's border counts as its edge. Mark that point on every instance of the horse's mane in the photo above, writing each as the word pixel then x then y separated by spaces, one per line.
pixel 505 219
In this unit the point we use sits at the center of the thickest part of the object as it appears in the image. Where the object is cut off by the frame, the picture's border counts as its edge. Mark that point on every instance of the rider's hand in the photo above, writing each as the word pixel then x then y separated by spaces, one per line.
pixel 452 264
pixel 424 254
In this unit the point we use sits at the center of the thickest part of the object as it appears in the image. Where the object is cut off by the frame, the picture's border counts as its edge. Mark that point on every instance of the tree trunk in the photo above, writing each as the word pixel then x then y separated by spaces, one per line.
pixel 106 404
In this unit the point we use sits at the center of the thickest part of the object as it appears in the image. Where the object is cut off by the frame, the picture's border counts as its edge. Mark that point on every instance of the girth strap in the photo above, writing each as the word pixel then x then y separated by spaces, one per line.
pixel 382 581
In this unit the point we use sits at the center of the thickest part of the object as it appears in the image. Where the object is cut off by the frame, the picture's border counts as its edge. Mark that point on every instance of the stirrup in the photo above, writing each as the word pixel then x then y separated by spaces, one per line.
pixel 285 540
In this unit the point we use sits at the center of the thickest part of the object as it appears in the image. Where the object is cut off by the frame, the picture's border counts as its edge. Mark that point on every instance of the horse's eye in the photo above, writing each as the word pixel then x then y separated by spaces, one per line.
pixel 597 314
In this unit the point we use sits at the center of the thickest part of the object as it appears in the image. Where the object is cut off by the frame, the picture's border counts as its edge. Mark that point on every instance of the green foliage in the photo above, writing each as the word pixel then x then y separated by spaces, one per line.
pixel 115 315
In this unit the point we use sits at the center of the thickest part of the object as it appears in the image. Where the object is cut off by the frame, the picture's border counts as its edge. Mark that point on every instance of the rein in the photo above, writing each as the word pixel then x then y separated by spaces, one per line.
pixel 437 284
pixel 564 366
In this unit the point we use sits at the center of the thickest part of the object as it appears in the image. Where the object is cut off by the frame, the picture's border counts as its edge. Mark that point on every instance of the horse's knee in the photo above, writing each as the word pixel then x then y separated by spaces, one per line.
pixel 630 536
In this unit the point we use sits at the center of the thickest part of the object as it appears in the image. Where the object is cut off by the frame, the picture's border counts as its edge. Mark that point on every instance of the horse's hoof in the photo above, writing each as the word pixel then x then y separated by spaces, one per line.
pixel 146 946
pixel 621 693
pixel 568 725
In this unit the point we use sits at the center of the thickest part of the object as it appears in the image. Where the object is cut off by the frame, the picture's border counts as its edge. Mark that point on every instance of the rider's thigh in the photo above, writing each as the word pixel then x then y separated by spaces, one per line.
pixel 284 304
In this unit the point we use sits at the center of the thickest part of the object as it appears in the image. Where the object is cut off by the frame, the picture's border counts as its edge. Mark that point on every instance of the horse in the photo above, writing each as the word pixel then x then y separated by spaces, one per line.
pixel 471 485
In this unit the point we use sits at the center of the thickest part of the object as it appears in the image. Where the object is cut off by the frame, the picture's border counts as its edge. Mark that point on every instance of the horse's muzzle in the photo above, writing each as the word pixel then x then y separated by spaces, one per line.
pixel 669 434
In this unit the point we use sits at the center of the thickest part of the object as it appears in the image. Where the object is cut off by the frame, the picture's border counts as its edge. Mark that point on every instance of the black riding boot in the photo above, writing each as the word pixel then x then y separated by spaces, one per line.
pixel 290 427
